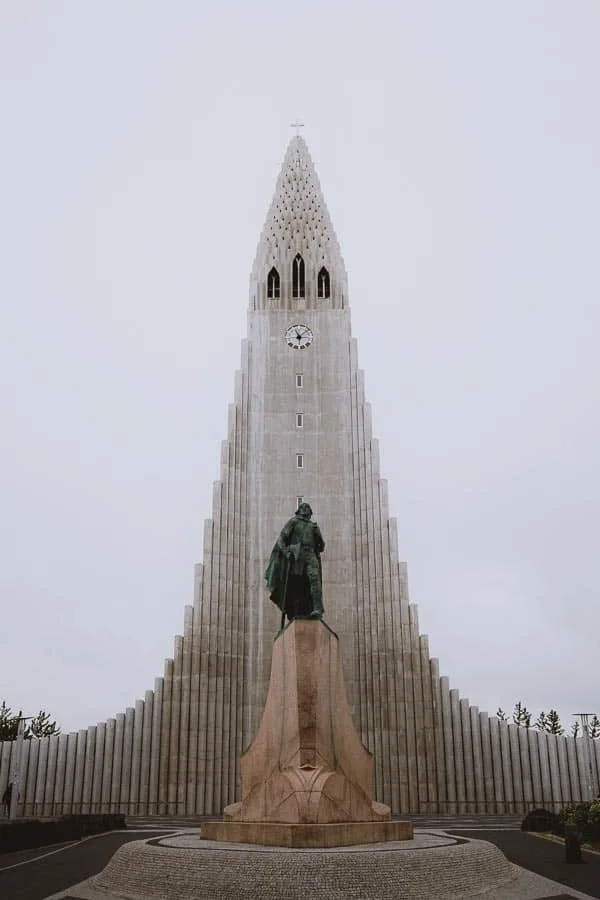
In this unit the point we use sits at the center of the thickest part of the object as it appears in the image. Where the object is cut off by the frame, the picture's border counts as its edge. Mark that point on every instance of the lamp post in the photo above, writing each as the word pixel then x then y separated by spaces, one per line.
pixel 587 752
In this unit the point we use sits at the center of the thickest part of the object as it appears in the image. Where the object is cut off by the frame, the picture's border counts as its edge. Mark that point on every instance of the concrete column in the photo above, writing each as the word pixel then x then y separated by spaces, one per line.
pixel 50 777
pixel 155 747
pixel 70 773
pixel 107 771
pixel 98 768
pixel 40 781
pixel 163 775
pixel 400 789
pixel 88 771
pixel 554 771
pixel 146 753
pixel 358 697
pixel 223 647
pixel 595 750
pixel 203 654
pixel 496 751
pixel 449 760
pixel 184 725
pixel 59 783
pixel 405 734
pixel 366 723
pixel 544 768
pixel 563 768
pixel 536 771
pixel 507 773
pixel 430 738
pixel 24 770
pixel 515 759
pixel 211 724
pixel 243 493
pixel 31 779
pixel 523 734
pixel 377 638
pixel 582 768
pixel 194 776
pixel 117 765
pixel 459 760
pixel 417 684
pixel 488 766
pixel 174 734
pixel 127 759
pixel 442 793
pixel 573 770
pixel 465 721
pixel 5 772
pixel 478 775
pixel 79 771
pixel 136 758
pixel 392 774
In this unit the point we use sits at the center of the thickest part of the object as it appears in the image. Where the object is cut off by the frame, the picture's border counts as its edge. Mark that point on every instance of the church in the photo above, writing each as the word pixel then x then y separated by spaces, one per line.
pixel 299 430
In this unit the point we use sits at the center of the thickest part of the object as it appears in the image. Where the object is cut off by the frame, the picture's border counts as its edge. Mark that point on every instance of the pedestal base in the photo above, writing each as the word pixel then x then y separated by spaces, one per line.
pixel 430 867
pixel 280 834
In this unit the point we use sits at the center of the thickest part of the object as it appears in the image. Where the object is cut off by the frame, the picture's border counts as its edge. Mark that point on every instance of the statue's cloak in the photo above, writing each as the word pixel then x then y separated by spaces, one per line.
pixel 283 564
pixel 276 576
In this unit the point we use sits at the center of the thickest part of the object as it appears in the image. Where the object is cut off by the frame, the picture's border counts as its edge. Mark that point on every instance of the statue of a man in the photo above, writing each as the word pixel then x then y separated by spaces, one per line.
pixel 294 572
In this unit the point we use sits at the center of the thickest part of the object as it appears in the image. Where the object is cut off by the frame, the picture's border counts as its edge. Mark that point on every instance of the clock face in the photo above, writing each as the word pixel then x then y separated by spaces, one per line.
pixel 299 337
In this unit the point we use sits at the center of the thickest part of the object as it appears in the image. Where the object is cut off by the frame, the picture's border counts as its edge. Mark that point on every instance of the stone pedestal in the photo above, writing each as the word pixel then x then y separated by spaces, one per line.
pixel 307 769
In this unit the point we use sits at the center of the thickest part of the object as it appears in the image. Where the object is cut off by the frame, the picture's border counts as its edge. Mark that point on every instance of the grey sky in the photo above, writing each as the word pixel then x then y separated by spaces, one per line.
pixel 457 146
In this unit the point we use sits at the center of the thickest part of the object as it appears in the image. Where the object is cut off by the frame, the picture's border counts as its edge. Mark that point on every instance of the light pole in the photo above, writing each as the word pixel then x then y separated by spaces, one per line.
pixel 585 727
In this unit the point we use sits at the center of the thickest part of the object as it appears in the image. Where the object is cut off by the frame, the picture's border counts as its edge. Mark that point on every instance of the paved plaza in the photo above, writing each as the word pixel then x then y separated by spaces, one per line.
pixel 56 871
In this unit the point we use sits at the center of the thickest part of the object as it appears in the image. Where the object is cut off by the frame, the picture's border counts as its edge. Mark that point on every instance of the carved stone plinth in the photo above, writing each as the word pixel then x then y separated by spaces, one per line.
pixel 307 765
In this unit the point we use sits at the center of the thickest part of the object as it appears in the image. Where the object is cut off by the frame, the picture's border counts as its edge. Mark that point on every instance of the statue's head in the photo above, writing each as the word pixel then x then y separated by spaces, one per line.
pixel 304 511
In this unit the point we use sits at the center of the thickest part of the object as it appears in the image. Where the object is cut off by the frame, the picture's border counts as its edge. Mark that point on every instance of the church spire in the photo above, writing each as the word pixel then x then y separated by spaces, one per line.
pixel 298 262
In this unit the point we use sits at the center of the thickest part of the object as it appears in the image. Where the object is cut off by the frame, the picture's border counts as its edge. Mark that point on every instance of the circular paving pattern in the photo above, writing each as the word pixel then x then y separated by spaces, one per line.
pixel 183 867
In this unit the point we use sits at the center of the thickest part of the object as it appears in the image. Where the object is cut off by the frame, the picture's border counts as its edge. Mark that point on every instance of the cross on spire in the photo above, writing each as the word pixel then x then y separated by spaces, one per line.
pixel 297 125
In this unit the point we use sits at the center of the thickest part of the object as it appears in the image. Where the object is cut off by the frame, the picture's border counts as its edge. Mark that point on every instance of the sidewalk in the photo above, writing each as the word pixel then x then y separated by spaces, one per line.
pixel 544 857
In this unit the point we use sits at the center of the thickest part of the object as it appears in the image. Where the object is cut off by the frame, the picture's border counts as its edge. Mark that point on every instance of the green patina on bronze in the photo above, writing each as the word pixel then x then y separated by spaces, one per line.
pixel 293 575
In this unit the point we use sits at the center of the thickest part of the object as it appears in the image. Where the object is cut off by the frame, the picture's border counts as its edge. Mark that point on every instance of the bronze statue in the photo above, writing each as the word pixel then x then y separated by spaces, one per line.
pixel 294 572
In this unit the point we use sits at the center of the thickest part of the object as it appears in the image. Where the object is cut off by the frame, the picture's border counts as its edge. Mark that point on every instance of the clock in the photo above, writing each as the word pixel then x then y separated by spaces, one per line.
pixel 299 337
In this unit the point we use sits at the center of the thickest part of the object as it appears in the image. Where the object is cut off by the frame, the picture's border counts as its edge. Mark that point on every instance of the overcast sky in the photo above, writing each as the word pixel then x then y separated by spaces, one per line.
pixel 457 145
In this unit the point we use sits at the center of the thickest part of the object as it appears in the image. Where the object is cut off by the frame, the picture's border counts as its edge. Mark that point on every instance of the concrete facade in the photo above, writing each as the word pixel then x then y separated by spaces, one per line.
pixel 177 750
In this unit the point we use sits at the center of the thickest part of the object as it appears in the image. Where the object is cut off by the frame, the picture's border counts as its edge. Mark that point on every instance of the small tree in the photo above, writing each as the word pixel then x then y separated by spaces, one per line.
pixel 501 715
pixel 41 726
pixel 541 723
pixel 575 729
pixel 554 723
pixel 521 715
pixel 8 723
pixel 594 727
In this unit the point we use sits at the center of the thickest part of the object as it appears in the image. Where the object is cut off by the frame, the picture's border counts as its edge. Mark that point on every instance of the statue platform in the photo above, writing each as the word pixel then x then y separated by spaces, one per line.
pixel 307 777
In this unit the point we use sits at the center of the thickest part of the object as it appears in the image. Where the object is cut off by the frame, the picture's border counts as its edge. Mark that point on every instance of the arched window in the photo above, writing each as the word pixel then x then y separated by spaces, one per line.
pixel 273 284
pixel 323 290
pixel 298 276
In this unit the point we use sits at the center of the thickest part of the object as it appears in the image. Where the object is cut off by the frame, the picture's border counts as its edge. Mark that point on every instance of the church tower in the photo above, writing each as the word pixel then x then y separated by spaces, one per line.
pixel 299 428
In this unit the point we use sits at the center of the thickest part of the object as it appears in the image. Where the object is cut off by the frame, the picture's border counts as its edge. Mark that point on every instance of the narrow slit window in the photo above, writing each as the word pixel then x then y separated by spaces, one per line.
pixel 299 380
pixel 299 460
pixel 323 289
pixel 298 276
pixel 299 420
pixel 273 284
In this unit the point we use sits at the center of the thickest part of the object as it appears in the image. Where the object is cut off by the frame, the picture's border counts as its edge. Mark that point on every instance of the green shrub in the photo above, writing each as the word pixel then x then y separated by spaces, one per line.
pixel 586 816
pixel 540 820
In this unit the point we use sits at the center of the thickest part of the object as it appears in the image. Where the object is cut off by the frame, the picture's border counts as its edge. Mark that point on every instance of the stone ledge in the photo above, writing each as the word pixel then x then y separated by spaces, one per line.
pixel 331 834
